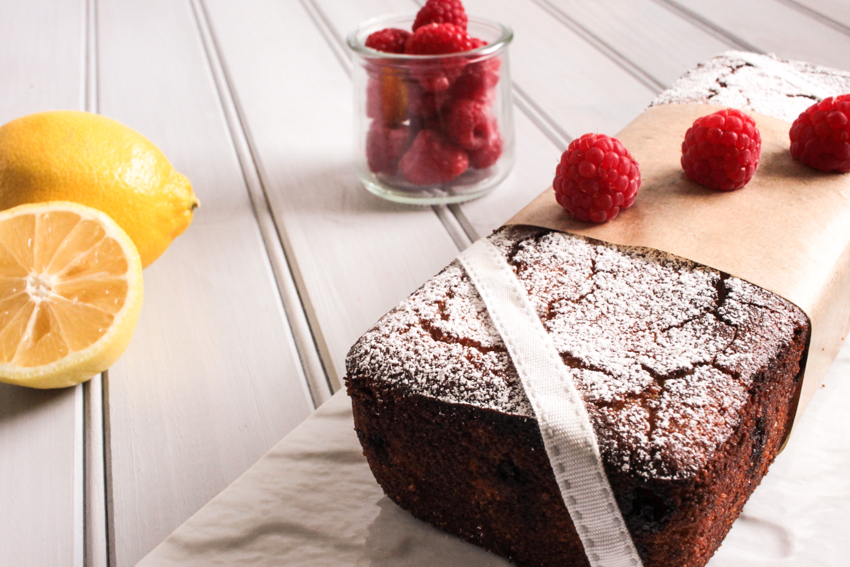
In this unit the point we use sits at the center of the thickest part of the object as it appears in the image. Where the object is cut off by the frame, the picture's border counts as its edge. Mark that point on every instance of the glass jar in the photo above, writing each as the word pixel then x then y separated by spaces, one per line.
pixel 433 129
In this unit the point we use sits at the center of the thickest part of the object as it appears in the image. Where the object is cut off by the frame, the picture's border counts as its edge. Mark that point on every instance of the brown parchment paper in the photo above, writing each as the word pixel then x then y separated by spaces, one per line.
pixel 787 231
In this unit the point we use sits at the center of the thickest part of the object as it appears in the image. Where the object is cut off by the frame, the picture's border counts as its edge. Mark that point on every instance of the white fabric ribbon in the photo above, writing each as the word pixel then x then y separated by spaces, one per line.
pixel 564 424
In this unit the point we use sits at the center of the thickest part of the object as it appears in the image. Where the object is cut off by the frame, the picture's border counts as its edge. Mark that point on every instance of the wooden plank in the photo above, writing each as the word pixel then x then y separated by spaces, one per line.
pixel 41 523
pixel 314 372
pixel 42 64
pixel 655 40
pixel 212 378
pixel 834 13
pixel 577 86
pixel 775 27
pixel 354 255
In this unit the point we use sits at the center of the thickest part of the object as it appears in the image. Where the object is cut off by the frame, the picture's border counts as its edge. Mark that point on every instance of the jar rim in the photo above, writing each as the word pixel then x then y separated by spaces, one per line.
pixel 356 40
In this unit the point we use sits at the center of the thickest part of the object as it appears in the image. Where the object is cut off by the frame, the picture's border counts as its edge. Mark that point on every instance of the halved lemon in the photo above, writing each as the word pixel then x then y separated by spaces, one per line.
pixel 70 293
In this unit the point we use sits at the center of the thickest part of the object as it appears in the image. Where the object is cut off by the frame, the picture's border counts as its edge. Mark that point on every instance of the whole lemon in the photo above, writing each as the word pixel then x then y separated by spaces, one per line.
pixel 98 162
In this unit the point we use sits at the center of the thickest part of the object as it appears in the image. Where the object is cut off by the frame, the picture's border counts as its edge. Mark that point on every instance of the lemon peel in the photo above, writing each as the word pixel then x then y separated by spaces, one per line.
pixel 95 161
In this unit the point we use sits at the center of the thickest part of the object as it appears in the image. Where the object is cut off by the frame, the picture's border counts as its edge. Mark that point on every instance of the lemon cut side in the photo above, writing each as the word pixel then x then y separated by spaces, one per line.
pixel 70 293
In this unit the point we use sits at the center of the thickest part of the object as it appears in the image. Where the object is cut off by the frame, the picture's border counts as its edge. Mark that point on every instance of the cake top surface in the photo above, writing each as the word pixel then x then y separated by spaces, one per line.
pixel 757 83
pixel 663 351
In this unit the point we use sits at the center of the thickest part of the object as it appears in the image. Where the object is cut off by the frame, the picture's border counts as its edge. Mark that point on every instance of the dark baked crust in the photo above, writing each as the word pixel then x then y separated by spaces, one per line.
pixel 689 377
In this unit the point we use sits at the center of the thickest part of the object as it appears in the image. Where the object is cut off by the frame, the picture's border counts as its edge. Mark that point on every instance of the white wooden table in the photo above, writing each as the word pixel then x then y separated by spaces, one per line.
pixel 248 316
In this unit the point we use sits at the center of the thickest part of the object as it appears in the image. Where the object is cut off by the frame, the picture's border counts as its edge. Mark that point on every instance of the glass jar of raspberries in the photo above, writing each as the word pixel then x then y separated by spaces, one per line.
pixel 433 116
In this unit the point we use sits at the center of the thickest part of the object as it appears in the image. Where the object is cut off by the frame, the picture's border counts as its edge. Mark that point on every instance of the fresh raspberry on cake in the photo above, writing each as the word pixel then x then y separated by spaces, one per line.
pixel 467 123
pixel 721 151
pixel 438 39
pixel 441 12
pixel 431 160
pixel 388 40
pixel 385 146
pixel 487 155
pixel 596 178
pixel 820 137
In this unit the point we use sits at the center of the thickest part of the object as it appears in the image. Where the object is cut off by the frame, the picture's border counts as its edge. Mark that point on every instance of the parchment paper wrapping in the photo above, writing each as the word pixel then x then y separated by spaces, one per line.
pixel 787 231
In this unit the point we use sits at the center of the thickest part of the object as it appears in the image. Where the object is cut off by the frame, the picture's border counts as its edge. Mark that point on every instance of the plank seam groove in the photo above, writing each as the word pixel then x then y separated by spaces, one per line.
pixel 815 15
pixel 94 504
pixel 91 74
pixel 109 497
pixel 629 66
pixel 707 25
pixel 453 226
pixel 79 553
pixel 550 128
pixel 312 368
pixel 464 223
pixel 95 547
pixel 332 36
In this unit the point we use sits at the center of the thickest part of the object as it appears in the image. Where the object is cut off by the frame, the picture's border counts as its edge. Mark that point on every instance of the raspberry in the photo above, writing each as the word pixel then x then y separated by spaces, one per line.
pixel 385 146
pixel 431 160
pixel 438 39
pixel 467 123
pixel 820 137
pixel 478 80
pixel 388 40
pixel 423 103
pixel 441 12
pixel 596 178
pixel 721 151
pixel 490 151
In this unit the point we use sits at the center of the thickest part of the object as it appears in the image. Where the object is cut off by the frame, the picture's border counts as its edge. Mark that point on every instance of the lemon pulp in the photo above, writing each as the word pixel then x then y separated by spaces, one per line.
pixel 70 293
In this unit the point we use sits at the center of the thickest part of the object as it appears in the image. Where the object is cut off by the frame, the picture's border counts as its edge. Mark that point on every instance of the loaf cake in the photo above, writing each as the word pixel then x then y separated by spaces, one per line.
pixel 689 376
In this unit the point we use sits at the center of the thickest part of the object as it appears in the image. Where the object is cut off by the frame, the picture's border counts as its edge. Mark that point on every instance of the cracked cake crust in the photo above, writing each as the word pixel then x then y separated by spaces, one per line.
pixel 688 376
pixel 758 83
pixel 663 351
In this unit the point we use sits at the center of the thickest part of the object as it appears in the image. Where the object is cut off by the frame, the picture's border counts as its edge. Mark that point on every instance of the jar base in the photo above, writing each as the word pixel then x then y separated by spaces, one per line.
pixel 444 194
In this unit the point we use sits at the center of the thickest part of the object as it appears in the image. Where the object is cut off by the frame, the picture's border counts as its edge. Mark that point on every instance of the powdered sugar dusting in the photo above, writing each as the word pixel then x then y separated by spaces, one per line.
pixel 663 350
pixel 757 83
